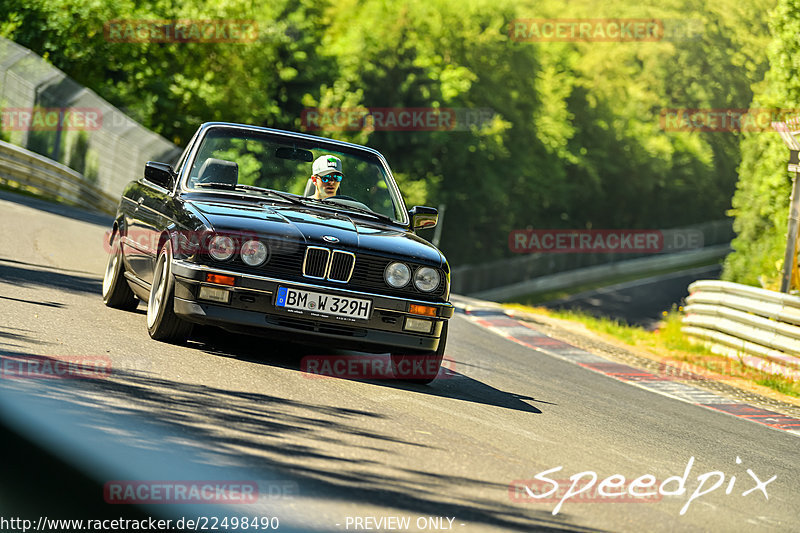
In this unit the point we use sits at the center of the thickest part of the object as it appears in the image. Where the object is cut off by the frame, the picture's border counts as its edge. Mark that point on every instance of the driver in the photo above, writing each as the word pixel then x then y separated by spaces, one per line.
pixel 327 176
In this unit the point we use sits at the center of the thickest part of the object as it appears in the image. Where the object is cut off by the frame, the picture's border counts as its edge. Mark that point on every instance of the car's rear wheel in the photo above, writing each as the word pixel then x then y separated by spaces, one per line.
pixel 162 322
pixel 116 292
pixel 420 368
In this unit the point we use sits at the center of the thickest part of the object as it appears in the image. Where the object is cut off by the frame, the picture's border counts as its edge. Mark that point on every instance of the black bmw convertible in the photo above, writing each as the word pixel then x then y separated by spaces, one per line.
pixel 270 232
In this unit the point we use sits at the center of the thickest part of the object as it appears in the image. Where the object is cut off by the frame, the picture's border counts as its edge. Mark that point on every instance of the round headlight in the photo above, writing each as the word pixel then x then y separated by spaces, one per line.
pixel 397 275
pixel 221 247
pixel 426 279
pixel 254 253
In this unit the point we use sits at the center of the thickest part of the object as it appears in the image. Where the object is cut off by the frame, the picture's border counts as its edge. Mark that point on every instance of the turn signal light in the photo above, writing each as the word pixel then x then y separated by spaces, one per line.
pixel 220 279
pixel 422 310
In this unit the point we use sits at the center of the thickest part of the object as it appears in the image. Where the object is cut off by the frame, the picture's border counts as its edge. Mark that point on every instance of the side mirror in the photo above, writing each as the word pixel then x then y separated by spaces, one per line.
pixel 159 173
pixel 423 217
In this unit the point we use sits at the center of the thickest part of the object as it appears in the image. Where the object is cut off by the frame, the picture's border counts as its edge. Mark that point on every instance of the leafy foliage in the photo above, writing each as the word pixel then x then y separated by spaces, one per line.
pixel 575 140
pixel 761 202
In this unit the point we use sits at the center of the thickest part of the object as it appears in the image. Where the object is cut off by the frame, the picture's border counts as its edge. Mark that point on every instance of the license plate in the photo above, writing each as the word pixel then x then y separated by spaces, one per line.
pixel 323 304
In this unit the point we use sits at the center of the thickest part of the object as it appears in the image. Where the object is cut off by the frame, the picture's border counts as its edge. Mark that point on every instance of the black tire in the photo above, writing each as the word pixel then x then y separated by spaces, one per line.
pixel 116 292
pixel 162 323
pixel 429 363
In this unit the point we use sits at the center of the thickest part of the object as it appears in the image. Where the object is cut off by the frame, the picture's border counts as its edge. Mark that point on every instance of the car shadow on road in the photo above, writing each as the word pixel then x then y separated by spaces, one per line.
pixel 333 453
pixel 449 383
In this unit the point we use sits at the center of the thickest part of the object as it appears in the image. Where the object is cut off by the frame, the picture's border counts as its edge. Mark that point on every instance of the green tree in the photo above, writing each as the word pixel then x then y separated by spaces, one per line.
pixel 761 202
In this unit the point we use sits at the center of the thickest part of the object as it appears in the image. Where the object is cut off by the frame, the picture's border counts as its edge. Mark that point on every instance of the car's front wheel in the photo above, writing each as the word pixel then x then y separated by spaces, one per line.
pixel 116 292
pixel 162 322
pixel 420 368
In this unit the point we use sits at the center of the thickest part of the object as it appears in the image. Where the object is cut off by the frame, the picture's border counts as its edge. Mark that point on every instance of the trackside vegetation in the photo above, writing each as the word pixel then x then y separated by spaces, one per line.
pixel 761 202
pixel 576 134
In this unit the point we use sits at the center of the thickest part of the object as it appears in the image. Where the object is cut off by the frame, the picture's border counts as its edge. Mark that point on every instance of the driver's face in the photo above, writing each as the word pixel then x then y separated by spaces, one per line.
pixel 325 190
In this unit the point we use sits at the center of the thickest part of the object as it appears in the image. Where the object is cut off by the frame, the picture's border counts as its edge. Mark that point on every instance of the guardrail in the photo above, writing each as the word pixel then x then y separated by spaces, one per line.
pixel 481 279
pixel 570 278
pixel 112 147
pixel 49 178
pixel 739 319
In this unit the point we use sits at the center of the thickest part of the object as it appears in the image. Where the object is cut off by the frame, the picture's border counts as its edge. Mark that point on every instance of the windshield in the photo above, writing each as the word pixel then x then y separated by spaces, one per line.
pixel 254 163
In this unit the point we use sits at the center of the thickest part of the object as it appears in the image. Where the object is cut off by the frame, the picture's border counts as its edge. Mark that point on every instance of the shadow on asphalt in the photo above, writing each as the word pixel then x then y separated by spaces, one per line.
pixel 25 274
pixel 63 210
pixel 263 430
pixel 449 383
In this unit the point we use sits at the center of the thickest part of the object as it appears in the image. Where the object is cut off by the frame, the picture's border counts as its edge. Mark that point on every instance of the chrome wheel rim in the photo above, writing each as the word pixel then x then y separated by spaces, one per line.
pixel 157 291
pixel 111 270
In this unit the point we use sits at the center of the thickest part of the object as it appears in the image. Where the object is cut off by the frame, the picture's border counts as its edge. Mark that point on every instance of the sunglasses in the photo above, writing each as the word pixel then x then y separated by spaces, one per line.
pixel 331 177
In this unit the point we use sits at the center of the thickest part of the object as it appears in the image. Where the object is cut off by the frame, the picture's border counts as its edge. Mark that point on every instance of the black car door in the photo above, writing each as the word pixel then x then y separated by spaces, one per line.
pixel 145 224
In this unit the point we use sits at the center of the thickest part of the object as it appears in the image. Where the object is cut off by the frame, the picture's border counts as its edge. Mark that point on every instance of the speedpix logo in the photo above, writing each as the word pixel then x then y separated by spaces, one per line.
pixel 616 488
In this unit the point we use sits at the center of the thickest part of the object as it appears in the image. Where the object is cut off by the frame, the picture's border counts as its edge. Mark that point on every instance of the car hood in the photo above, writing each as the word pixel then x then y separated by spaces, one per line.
pixel 339 230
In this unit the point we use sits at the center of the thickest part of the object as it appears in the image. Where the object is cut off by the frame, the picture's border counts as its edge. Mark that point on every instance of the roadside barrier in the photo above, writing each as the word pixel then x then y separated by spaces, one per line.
pixel 51 179
pixel 739 319
pixel 641 266
pixel 48 113
pixel 530 273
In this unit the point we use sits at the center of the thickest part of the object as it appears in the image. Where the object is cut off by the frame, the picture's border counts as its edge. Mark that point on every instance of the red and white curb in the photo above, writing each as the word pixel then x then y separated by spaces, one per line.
pixel 527 335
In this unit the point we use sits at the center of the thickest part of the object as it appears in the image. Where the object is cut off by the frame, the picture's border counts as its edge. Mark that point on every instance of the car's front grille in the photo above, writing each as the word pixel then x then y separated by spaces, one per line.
pixel 320 263
pixel 316 262
pixel 342 265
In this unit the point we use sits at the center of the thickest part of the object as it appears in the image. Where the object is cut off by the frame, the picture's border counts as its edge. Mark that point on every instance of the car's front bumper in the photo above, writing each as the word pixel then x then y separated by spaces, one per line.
pixel 252 309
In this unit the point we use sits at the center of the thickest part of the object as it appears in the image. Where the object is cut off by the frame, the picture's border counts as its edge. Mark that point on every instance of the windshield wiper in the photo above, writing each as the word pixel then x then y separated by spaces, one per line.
pixel 297 199
pixel 216 184
pixel 286 196
pixel 367 211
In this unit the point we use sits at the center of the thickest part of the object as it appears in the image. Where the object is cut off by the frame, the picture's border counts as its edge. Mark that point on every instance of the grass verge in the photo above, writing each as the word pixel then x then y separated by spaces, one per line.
pixel 668 344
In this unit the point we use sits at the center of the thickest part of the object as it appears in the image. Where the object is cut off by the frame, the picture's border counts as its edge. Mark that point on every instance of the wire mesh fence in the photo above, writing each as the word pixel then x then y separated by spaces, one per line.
pixel 46 112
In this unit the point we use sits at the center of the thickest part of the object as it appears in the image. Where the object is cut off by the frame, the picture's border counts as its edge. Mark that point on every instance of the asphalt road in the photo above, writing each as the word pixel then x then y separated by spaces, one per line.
pixel 640 302
pixel 227 407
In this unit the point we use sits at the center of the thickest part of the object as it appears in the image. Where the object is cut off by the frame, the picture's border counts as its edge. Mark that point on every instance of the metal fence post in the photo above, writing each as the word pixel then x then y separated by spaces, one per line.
pixel 790 255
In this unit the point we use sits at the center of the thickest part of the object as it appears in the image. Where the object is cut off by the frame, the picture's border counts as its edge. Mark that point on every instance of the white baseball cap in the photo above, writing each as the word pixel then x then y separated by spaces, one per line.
pixel 327 164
